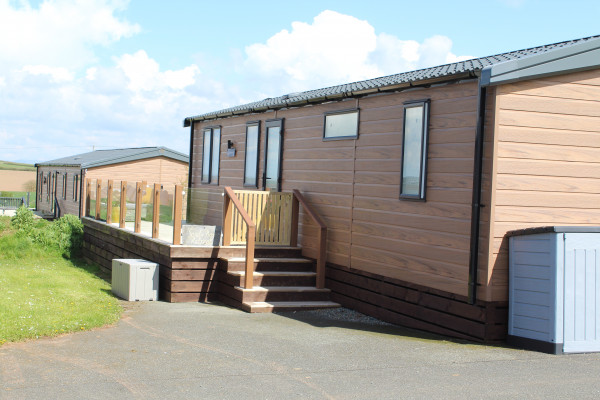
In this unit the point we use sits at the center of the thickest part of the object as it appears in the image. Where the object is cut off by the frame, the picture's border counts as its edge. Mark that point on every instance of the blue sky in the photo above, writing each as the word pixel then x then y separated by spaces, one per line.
pixel 78 75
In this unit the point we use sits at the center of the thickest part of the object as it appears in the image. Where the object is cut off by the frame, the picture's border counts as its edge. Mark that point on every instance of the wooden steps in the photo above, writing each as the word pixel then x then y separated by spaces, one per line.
pixel 283 280
pixel 263 306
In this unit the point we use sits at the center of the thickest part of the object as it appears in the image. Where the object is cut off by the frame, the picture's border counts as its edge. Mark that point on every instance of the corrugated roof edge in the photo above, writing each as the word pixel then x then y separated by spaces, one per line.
pixel 471 67
pixel 149 153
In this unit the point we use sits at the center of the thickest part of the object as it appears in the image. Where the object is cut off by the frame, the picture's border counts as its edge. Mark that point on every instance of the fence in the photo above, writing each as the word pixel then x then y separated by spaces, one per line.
pixel 137 206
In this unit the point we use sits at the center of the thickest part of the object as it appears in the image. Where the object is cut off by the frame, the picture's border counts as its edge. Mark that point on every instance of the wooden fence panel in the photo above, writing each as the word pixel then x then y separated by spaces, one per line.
pixel 272 214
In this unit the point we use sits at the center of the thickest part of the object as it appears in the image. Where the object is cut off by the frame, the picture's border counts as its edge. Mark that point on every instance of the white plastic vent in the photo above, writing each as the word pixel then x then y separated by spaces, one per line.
pixel 135 280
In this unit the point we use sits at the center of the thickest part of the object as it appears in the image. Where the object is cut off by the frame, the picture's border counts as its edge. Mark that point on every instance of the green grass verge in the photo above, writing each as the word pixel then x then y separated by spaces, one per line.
pixel 44 294
pixel 16 166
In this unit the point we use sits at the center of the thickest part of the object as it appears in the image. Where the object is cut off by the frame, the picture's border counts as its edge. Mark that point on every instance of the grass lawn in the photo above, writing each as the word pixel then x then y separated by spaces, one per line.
pixel 44 294
pixel 16 166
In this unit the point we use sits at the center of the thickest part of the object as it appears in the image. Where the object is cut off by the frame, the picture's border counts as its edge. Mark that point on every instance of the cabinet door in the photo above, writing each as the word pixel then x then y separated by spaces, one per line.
pixel 582 293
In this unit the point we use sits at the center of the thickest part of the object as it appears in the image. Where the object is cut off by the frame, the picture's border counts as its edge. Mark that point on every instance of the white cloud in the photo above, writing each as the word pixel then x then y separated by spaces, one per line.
pixel 55 94
pixel 335 49
pixel 56 73
pixel 58 33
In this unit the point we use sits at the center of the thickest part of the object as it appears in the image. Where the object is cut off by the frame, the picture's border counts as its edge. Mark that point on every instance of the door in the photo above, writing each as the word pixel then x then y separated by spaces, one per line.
pixel 582 293
pixel 273 153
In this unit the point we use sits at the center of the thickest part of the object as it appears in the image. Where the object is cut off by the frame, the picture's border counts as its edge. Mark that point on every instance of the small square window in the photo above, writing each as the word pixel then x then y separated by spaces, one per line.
pixel 341 125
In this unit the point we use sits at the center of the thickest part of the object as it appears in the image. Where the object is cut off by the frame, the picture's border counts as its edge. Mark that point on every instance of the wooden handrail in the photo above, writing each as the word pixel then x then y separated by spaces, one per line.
pixel 321 236
pixel 231 197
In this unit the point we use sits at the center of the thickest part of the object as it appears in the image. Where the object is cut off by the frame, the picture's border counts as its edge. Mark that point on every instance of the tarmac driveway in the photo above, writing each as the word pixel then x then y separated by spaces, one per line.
pixel 200 351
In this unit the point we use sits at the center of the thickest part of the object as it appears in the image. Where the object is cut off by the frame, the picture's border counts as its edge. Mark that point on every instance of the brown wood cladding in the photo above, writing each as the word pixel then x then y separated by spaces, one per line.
pixel 66 205
pixel 181 278
pixel 354 184
pixel 163 170
pixel 417 306
pixel 548 160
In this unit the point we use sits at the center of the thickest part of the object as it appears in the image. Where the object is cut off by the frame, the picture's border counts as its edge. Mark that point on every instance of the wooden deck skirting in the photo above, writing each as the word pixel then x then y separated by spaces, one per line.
pixel 417 306
pixel 191 273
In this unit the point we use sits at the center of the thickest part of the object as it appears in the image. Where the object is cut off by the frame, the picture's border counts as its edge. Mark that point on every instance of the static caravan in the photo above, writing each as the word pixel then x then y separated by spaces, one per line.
pixel 60 183
pixel 418 176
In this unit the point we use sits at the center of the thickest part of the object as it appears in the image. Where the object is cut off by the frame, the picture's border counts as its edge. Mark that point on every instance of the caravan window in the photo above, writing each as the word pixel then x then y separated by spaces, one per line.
pixel 413 179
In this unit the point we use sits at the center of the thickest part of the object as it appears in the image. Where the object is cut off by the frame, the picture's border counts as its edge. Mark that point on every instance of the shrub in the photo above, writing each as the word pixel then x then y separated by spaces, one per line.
pixel 64 234
pixel 68 234
pixel 23 220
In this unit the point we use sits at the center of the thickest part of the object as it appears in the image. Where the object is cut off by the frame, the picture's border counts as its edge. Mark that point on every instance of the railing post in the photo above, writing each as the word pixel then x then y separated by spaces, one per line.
pixel 227 216
pixel 249 270
pixel 321 239
pixel 137 227
pixel 155 210
pixel 109 201
pixel 123 206
pixel 321 258
pixel 98 198
pixel 295 222
pixel 88 187
pixel 177 212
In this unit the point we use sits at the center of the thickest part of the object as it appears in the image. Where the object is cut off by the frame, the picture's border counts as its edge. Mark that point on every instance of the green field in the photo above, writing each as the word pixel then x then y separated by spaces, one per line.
pixel 16 166
pixel 44 293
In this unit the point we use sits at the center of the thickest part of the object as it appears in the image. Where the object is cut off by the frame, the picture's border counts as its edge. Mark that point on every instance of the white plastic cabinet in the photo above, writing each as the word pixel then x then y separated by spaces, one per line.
pixel 554 289
pixel 135 280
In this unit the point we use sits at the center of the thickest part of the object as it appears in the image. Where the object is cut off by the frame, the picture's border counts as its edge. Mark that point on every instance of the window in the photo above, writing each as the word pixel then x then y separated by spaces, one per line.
pixel 252 150
pixel 211 152
pixel 413 178
pixel 41 186
pixel 64 187
pixel 341 125
pixel 48 184
pixel 75 187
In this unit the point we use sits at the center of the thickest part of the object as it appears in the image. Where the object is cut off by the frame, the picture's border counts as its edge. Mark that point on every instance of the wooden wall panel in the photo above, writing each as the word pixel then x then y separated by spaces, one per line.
pixel 354 184
pixel 66 205
pixel 548 160
pixel 155 170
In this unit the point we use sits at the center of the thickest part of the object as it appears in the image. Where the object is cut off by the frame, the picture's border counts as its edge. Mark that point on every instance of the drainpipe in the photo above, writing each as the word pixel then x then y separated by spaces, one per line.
pixel 476 199
pixel 191 158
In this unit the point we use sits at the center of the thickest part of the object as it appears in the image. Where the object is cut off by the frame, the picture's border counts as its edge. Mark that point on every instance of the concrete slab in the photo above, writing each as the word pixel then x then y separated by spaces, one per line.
pixel 192 350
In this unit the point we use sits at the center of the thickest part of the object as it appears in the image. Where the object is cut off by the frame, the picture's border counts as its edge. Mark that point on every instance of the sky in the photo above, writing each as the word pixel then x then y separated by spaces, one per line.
pixel 79 75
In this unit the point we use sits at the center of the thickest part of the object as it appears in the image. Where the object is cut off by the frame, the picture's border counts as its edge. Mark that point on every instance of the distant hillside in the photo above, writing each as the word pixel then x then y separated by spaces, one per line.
pixel 16 166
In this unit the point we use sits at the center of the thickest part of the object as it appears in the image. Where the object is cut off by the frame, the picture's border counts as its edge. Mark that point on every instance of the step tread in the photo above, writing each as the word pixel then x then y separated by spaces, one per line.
pixel 275 273
pixel 271 259
pixel 282 289
pixel 295 304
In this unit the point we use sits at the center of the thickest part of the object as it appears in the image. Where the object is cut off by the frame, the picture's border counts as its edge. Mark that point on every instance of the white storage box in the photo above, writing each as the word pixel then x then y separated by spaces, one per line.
pixel 554 289
pixel 135 280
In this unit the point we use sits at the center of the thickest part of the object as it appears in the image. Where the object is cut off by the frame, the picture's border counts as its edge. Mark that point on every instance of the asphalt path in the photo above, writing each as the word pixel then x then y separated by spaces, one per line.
pixel 209 351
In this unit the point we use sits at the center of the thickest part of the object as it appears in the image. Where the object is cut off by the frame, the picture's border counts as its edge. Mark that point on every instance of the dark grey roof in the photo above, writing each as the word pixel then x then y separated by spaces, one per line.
pixel 106 157
pixel 458 70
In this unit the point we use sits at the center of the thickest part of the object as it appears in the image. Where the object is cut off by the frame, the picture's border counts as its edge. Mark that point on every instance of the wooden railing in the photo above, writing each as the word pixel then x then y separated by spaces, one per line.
pixel 97 212
pixel 271 212
pixel 271 218
pixel 231 201
pixel 321 235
